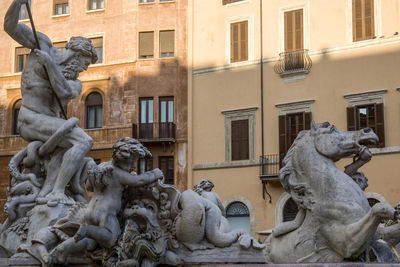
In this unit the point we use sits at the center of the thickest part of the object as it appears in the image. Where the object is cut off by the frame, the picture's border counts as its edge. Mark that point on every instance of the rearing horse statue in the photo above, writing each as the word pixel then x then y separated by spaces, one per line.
pixel 335 221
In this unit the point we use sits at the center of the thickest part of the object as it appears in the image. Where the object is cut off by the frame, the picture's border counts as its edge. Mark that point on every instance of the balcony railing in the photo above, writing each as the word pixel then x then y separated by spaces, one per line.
pixel 154 131
pixel 269 167
pixel 293 62
pixel 146 130
pixel 166 130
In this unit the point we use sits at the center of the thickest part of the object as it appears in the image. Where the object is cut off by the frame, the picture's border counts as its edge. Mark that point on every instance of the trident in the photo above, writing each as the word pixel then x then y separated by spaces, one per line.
pixel 38 46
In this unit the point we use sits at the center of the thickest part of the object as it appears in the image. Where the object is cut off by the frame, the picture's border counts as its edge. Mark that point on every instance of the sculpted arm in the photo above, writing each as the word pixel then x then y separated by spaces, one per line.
pixel 20 32
pixel 62 87
pixel 141 179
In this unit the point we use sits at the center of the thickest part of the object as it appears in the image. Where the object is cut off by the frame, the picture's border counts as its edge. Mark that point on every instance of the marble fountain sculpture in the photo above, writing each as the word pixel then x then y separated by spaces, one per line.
pixel 137 220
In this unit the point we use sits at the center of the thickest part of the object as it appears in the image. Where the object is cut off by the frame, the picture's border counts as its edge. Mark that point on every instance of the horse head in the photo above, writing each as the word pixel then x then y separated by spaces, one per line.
pixel 335 144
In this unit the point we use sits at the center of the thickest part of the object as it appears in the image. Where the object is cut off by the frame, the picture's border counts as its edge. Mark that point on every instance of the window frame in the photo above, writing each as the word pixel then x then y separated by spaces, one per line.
pixel 363 36
pixel 25 16
pixel 96 111
pixel 240 114
pixel 167 180
pixel 145 57
pixel 160 45
pixel 17 58
pixel 15 113
pixel 96 44
pixel 89 5
pixel 239 41
pixel 64 3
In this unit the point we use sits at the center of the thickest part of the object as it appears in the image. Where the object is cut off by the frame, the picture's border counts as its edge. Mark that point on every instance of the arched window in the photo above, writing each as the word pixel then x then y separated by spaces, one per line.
pixel 372 201
pixel 94 111
pixel 238 216
pixel 289 210
pixel 16 108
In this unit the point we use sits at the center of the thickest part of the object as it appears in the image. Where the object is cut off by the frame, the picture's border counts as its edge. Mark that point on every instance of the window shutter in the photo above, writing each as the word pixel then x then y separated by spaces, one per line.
pixel 357 20
pixel 240 140
pixel 351 119
pixel 369 19
pixel 224 2
pixel 243 40
pixel 380 124
pixel 234 42
pixel 299 29
pixel 146 44
pixel 288 31
pixel 307 120
pixel 282 138
pixel 167 40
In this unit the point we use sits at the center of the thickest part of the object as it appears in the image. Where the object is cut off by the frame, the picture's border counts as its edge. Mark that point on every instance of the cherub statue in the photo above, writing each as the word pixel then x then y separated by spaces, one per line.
pixel 98 221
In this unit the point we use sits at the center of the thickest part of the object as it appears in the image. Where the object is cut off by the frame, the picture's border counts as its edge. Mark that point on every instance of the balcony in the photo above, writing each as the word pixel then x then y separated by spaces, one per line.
pixel 154 132
pixel 269 171
pixel 293 65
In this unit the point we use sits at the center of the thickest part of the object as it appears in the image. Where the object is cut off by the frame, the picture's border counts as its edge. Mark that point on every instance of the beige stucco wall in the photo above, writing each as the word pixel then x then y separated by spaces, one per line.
pixel 339 67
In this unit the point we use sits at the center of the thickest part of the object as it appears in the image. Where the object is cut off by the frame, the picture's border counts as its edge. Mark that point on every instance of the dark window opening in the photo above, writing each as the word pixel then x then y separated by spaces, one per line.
pixel 240 139
pixel 96 4
pixel 146 117
pixel 166 165
pixel 94 111
pixel 16 108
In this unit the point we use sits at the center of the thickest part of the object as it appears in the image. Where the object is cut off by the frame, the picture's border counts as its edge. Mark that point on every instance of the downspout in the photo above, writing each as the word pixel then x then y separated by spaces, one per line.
pixel 264 183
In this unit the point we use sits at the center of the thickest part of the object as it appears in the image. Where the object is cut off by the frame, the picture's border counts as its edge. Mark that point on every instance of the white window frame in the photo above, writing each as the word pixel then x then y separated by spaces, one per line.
pixel 306 24
pixel 250 38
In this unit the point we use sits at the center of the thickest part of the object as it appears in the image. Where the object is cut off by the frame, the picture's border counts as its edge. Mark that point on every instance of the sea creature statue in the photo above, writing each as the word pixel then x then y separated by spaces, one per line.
pixel 335 221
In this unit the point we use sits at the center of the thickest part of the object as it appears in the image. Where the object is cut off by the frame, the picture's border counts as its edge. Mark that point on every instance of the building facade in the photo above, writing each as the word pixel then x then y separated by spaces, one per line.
pixel 260 71
pixel 138 87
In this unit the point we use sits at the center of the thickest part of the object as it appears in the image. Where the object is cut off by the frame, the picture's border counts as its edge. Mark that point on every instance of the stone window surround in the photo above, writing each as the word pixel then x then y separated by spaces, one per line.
pixel 240 114
pixel 295 107
pixel 250 39
pixel 248 204
pixel 365 98
pixel 349 20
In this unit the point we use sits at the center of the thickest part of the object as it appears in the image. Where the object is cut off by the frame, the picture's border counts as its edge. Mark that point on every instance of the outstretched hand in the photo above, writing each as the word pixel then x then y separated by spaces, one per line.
pixel 42 57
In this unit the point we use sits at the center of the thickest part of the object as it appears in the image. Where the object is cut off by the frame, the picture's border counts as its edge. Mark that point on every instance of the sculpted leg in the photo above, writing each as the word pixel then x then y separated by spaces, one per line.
pixel 356 235
pixel 69 246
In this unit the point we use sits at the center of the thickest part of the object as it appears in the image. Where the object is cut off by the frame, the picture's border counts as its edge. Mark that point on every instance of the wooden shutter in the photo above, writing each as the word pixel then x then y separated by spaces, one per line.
pixel 224 2
pixel 307 120
pixel 294 30
pixel 239 41
pixel 146 44
pixel 363 20
pixel 282 138
pixel 351 119
pixel 240 139
pixel 167 41
pixel 380 124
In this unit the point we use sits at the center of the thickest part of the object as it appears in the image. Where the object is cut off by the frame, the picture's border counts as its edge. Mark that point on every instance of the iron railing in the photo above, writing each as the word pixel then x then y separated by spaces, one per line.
pixel 165 130
pixel 296 61
pixel 269 166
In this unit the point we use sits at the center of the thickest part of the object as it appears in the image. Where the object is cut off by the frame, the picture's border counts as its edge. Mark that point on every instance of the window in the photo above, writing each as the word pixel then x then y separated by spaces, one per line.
pixel 239 41
pixel 98 45
pixel 290 210
pixel 363 20
pixel 167 127
pixel 60 7
pixel 370 115
pixel 94 111
pixel 294 30
pixel 23 12
pixel 146 45
pixel 166 165
pixel 146 118
pixel 146 1
pixel 238 216
pixel 167 43
pixel 96 4
pixel 145 165
pixel 225 2
pixel 21 54
pixel 16 108
pixel 240 139
pixel 240 134
pixel 289 126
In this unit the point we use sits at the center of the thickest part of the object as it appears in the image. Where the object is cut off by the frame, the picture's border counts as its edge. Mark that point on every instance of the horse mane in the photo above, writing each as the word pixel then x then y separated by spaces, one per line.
pixel 287 169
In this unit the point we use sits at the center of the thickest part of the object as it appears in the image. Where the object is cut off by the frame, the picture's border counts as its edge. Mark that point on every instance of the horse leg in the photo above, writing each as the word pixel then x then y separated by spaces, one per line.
pixel 351 240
